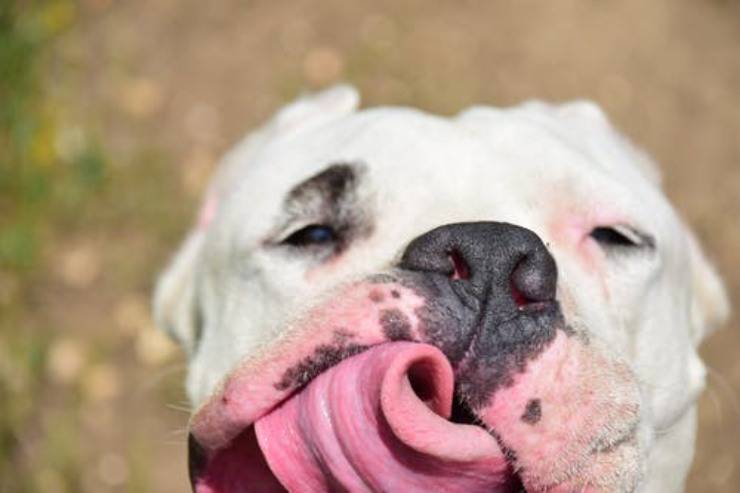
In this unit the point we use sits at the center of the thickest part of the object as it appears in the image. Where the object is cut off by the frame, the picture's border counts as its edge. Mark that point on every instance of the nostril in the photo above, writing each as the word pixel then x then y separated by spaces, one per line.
pixel 460 268
pixel 517 287
pixel 518 297
pixel 533 280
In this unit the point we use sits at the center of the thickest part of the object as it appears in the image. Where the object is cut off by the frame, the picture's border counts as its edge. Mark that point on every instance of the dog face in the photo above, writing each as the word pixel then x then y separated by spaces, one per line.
pixel 388 299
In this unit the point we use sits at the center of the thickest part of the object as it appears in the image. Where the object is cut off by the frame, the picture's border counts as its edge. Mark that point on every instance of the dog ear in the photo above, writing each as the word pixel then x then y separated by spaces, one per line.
pixel 176 308
pixel 328 104
pixel 310 109
pixel 710 307
pixel 175 304
pixel 591 115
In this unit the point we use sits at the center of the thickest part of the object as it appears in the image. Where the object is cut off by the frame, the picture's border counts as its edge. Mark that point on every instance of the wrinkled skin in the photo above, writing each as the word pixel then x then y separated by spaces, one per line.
pixel 363 356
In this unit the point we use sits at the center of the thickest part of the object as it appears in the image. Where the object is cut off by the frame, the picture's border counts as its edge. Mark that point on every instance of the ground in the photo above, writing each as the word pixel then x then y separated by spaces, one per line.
pixel 114 113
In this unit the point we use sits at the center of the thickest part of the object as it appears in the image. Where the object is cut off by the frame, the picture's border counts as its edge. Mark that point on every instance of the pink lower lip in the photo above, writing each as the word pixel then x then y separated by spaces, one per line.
pixel 376 422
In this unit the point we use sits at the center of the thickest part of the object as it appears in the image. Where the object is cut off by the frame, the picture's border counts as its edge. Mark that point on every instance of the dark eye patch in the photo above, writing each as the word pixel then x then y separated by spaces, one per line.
pixel 323 215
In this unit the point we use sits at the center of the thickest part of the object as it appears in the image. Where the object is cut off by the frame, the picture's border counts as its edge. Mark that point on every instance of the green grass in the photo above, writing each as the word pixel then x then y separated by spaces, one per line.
pixel 39 187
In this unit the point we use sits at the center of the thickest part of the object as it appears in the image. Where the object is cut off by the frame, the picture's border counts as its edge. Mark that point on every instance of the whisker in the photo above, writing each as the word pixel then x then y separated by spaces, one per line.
pixel 184 408
pixel 179 432
pixel 732 395
pixel 717 402
pixel 158 377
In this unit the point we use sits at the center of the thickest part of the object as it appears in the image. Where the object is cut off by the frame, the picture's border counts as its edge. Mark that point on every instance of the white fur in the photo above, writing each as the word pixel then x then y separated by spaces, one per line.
pixel 532 165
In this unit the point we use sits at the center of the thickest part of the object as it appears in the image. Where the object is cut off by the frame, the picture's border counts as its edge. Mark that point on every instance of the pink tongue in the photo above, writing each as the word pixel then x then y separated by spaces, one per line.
pixel 377 422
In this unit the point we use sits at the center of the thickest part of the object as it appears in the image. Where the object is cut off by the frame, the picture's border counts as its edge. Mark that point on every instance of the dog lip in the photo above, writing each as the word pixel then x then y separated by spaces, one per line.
pixel 197 459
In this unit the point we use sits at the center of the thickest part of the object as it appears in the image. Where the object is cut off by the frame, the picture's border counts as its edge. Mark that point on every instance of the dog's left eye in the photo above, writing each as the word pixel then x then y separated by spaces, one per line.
pixel 621 236
pixel 313 234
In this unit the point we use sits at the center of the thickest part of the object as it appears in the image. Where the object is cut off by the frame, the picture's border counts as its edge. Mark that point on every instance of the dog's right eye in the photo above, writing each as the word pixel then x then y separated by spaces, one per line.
pixel 313 234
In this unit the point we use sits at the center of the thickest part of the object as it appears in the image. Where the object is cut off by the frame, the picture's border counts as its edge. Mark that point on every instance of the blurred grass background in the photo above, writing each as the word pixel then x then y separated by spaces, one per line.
pixel 112 115
pixel 76 266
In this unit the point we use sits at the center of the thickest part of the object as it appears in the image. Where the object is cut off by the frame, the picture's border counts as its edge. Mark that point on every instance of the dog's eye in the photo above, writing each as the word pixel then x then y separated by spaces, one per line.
pixel 313 234
pixel 620 236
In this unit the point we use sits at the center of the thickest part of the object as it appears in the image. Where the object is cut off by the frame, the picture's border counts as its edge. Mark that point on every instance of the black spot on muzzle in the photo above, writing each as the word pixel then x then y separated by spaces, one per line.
pixel 533 412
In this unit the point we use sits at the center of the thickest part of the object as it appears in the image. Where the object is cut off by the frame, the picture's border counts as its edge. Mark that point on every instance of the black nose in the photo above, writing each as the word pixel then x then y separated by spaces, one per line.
pixel 490 259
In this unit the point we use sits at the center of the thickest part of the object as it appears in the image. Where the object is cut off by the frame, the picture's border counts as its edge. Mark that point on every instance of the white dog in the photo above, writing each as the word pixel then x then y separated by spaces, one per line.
pixel 387 300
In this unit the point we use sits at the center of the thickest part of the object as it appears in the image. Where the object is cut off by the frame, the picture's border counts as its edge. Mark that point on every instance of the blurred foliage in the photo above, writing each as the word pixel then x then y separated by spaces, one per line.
pixel 47 172
pixel 44 167
pixel 70 219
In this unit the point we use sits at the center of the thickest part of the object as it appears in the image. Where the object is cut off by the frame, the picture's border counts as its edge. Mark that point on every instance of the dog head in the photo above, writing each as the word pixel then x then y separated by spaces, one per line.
pixel 386 299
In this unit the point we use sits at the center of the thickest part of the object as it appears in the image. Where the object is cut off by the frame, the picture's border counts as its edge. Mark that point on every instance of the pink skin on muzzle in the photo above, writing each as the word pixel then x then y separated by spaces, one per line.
pixel 378 420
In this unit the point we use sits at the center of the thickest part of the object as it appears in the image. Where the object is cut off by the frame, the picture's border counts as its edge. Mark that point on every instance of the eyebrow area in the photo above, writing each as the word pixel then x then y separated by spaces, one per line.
pixel 331 197
pixel 329 188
